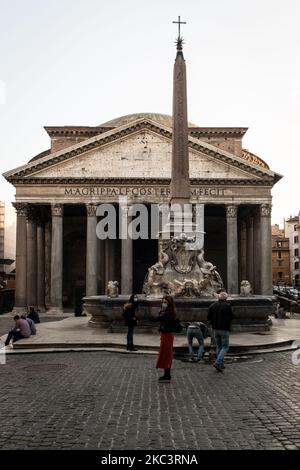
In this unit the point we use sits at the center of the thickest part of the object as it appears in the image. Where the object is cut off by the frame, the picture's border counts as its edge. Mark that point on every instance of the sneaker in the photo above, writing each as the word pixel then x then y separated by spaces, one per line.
pixel 222 366
pixel 191 359
pixel 219 368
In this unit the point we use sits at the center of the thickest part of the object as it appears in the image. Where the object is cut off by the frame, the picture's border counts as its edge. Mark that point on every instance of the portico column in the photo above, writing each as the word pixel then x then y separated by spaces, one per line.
pixel 250 250
pixel 41 265
pixel 48 232
pixel 257 250
pixel 266 250
pixel 21 258
pixel 232 250
pixel 243 235
pixel 57 258
pixel 126 254
pixel 31 258
pixel 91 250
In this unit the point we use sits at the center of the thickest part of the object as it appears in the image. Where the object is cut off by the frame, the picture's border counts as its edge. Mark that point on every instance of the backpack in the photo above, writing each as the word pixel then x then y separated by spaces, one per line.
pixel 204 330
pixel 178 327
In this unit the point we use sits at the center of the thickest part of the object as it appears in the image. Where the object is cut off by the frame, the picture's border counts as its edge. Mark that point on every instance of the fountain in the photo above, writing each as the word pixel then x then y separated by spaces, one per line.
pixel 181 269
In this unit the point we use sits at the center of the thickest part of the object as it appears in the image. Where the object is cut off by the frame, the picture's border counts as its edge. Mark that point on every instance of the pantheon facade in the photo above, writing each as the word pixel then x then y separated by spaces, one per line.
pixel 59 258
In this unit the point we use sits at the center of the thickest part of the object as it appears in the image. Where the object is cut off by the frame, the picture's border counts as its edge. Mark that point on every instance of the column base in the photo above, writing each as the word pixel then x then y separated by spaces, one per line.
pixel 41 309
pixel 19 311
pixel 59 311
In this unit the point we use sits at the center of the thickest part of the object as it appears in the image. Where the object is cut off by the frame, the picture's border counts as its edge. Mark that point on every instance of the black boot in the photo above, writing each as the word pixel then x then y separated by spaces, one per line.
pixel 166 377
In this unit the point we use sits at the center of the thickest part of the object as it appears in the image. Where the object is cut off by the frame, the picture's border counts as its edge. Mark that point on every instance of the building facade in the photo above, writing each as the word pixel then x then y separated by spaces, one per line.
pixel 280 257
pixel 291 232
pixel 59 258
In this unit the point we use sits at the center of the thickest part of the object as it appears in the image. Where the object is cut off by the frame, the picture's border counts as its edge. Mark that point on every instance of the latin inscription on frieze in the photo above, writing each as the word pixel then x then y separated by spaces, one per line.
pixel 136 191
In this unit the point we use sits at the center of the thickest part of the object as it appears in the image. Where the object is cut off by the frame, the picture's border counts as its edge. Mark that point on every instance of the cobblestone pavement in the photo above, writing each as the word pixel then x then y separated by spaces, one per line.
pixel 102 400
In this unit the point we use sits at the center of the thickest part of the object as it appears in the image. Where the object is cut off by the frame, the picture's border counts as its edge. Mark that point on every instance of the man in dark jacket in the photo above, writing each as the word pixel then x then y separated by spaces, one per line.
pixel 220 316
pixel 130 320
pixel 33 315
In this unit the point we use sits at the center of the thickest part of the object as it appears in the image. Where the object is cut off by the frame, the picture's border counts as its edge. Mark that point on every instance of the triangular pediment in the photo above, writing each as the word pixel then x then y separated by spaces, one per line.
pixel 141 149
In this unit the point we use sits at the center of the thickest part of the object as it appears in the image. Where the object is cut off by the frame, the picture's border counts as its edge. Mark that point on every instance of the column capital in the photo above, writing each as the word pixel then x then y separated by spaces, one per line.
pixel 91 209
pixel 21 208
pixel 265 210
pixel 231 210
pixel 164 208
pixel 31 214
pixel 57 210
pixel 198 208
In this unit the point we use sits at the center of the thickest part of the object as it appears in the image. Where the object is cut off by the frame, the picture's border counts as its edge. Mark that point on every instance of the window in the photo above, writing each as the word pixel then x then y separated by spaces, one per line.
pixel 295 227
pixel 297 265
pixel 279 244
pixel 279 255
pixel 296 239
pixel 296 252
pixel 280 275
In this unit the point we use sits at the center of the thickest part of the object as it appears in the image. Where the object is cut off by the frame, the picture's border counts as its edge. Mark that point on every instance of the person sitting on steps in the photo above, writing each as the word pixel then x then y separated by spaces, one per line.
pixel 20 331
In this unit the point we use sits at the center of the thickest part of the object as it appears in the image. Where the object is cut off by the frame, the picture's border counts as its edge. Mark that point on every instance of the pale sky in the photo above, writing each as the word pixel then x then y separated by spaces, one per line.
pixel 84 62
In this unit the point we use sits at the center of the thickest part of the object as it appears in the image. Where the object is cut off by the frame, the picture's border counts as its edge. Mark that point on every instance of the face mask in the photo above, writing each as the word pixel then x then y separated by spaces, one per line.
pixel 164 306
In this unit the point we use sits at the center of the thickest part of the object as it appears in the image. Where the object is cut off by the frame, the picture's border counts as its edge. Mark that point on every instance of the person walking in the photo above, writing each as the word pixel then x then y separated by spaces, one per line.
pixel 167 318
pixel 199 331
pixel 220 316
pixel 130 320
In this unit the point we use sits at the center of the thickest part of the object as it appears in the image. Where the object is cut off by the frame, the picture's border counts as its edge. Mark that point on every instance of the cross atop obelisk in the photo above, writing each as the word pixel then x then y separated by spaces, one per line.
pixel 179 39
pixel 180 180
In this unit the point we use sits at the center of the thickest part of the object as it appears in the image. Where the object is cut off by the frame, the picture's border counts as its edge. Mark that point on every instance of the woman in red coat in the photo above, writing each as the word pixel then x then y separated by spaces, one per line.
pixel 166 316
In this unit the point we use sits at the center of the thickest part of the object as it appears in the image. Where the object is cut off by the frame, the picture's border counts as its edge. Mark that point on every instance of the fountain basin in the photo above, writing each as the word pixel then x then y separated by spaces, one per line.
pixel 251 314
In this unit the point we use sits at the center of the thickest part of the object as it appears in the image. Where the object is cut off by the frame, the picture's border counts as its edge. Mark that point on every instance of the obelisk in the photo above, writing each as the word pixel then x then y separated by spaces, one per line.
pixel 180 181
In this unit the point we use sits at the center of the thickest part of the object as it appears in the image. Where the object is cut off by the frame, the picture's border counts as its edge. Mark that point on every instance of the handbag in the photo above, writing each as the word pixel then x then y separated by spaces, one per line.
pixel 178 327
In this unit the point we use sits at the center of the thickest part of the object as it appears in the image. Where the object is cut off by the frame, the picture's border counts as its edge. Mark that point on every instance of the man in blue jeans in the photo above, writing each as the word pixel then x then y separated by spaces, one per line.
pixel 220 316
pixel 194 331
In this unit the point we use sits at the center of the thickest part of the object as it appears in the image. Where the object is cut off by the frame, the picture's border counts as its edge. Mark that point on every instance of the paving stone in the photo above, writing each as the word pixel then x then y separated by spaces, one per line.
pixel 102 400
